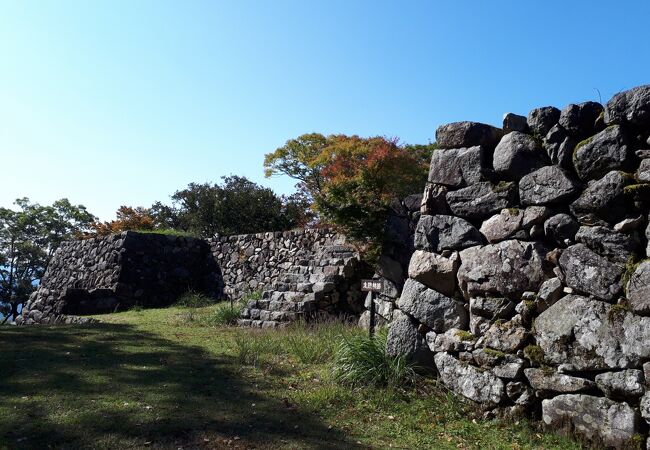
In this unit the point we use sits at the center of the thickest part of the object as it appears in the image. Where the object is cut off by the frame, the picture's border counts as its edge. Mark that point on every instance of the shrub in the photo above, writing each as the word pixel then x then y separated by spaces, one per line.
pixel 363 361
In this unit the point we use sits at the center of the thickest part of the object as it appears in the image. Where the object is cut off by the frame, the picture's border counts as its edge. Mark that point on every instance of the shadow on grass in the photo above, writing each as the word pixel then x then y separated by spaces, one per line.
pixel 112 386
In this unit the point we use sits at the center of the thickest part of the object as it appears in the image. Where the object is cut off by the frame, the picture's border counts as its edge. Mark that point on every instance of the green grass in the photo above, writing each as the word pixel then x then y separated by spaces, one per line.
pixel 360 360
pixel 170 232
pixel 155 379
pixel 193 299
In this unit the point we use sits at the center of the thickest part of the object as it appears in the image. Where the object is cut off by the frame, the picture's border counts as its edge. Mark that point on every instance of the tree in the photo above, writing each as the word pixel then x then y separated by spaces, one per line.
pixel 299 159
pixel 127 219
pixel 353 180
pixel 236 206
pixel 28 238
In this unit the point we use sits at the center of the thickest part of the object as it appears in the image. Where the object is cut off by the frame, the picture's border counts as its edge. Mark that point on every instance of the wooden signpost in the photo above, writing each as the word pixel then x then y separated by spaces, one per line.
pixel 372 286
pixel 229 292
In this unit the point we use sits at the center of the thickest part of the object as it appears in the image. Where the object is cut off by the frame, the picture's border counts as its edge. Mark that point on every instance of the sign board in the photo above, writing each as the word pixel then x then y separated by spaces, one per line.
pixel 372 285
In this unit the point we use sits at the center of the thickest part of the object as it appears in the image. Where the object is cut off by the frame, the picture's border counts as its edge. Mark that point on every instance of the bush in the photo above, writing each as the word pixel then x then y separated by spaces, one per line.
pixel 362 361
pixel 193 299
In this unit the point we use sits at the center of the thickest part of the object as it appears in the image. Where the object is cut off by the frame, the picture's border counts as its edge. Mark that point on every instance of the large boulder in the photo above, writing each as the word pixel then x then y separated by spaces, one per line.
pixel 561 228
pixel 631 107
pixel 456 167
pixel 559 147
pixel 503 365
pixel 482 199
pixel 404 339
pixel 546 186
pixel 608 243
pixel 518 154
pixel 413 202
pixel 475 384
pixel 580 120
pixel 603 422
pixel 590 335
pixel 514 122
pixel 505 336
pixel 547 381
pixel 647 236
pixel 492 307
pixel 502 226
pixel 643 172
pixel 541 120
pixel 603 198
pixel 638 289
pixel 434 200
pixel 452 340
pixel 467 134
pixel 586 271
pixel 624 384
pixel 435 271
pixel 535 215
pixel 507 269
pixel 438 233
pixel 437 311
pixel 602 153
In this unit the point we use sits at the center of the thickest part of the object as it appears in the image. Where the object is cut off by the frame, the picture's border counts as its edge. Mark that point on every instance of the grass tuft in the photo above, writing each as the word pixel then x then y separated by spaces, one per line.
pixel 363 361
pixel 193 299
pixel 224 314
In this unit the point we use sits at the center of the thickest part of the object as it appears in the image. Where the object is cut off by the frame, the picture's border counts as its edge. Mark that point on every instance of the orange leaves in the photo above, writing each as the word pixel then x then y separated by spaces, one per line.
pixel 127 218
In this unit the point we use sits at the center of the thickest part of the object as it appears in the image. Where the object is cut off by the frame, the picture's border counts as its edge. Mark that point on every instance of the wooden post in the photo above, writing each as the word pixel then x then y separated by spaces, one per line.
pixel 371 328
pixel 229 292
pixel 372 286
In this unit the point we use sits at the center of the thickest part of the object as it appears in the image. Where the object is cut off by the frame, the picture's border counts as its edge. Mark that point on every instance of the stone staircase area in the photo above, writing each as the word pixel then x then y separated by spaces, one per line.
pixel 326 285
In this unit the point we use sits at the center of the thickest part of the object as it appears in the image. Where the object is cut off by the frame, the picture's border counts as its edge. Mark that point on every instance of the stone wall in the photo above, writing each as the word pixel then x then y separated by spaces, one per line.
pixel 117 272
pixel 298 274
pixel 529 288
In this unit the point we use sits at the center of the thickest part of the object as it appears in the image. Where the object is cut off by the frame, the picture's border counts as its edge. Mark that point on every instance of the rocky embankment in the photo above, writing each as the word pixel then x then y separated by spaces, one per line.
pixel 529 288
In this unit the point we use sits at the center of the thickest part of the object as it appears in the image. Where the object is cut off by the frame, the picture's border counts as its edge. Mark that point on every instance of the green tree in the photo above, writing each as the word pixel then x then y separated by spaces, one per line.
pixel 236 206
pixel 29 236
pixel 299 159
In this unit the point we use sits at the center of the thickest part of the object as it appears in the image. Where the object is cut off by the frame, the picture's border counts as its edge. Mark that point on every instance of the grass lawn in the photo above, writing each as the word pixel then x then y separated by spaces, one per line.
pixel 165 379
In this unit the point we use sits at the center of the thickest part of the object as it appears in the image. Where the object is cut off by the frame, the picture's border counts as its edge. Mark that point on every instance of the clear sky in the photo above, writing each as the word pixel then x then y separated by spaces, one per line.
pixel 124 102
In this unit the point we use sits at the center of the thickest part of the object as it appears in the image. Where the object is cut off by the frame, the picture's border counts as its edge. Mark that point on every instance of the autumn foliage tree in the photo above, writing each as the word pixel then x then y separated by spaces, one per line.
pixel 127 219
pixel 353 180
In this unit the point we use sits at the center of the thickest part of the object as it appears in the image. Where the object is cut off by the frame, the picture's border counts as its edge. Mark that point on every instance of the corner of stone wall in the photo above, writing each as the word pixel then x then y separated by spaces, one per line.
pixel 529 287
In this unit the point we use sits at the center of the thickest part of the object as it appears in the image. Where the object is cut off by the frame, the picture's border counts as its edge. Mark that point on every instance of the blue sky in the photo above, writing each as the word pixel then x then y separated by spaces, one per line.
pixel 124 102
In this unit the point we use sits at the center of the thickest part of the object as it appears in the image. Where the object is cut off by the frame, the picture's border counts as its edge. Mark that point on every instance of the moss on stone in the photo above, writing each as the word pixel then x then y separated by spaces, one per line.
pixel 618 312
pixel 465 335
pixel 494 353
pixel 535 354
pixel 502 186
pixel 635 189
pixel 548 370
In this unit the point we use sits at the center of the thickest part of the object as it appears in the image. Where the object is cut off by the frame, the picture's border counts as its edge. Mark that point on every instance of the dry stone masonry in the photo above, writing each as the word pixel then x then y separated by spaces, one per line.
pixel 529 286
pixel 117 272
pixel 300 274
